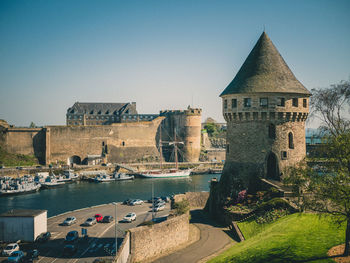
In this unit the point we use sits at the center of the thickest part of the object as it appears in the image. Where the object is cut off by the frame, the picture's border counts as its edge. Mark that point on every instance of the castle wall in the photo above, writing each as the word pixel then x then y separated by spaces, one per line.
pixel 28 141
pixel 126 142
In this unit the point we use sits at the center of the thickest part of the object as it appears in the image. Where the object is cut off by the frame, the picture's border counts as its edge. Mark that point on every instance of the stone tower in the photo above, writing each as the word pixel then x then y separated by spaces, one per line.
pixel 265 107
pixel 187 125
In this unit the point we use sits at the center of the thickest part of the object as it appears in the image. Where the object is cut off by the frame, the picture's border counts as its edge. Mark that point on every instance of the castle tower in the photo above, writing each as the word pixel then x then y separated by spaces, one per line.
pixel 265 107
pixel 187 125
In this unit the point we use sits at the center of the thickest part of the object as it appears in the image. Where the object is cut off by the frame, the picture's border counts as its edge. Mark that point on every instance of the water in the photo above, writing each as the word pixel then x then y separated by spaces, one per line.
pixel 83 194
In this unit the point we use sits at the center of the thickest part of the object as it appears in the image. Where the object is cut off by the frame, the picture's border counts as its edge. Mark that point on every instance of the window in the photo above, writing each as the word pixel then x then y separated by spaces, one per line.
pixel 107 112
pixel 305 103
pixel 123 143
pixel 234 103
pixel 264 102
pixel 92 112
pixel 284 155
pixel 225 104
pixel 99 112
pixel 281 102
pixel 227 148
pixel 247 102
pixel 290 141
pixel 272 131
pixel 295 102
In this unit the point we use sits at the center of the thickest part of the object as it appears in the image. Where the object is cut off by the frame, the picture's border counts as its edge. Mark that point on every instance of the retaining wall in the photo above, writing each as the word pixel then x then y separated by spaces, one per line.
pixel 195 199
pixel 149 241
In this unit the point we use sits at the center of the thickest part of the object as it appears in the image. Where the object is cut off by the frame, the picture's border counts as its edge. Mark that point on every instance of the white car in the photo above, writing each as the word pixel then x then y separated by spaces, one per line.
pixel 129 217
pixel 159 207
pixel 136 202
pixel 16 256
pixel 10 248
pixel 90 221
pixel 69 221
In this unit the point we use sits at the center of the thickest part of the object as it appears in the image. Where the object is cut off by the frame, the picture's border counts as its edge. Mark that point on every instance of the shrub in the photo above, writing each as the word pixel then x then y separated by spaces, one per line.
pixel 275 203
pixel 272 215
pixel 181 207
pixel 147 223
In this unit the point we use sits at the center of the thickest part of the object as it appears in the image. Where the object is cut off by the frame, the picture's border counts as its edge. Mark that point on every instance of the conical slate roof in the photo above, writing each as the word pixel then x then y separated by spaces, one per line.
pixel 265 70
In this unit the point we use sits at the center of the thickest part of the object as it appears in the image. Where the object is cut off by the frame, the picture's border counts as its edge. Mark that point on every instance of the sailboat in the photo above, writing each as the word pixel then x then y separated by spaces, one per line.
pixel 167 173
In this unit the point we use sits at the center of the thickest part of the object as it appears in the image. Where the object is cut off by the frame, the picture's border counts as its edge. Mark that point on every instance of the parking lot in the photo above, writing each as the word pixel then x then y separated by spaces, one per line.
pixel 101 236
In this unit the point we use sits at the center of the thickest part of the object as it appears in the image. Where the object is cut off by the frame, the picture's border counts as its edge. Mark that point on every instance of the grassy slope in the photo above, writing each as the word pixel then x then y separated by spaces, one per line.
pixel 10 159
pixel 292 238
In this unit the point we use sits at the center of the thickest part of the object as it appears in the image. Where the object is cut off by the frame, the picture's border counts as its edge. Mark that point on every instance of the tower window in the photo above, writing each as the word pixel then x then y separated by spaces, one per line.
pixel 281 102
pixel 225 104
pixel 305 103
pixel 295 102
pixel 234 103
pixel 264 102
pixel 290 141
pixel 247 102
pixel 272 131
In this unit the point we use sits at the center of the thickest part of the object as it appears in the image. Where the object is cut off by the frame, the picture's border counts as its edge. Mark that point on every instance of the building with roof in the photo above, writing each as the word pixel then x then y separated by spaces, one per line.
pixel 22 224
pixel 265 107
pixel 94 113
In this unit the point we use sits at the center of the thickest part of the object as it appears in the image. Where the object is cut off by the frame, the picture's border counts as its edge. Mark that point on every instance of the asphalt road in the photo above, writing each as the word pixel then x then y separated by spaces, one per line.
pixel 101 241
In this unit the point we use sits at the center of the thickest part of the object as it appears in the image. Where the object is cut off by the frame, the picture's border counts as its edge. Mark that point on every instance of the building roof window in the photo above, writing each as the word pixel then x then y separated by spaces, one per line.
pixel 264 102
pixel 234 103
pixel 92 112
pixel 281 102
pixel 225 104
pixel 107 112
pixel 295 102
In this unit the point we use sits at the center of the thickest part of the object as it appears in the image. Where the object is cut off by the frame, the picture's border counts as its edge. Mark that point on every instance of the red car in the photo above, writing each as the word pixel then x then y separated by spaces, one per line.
pixel 98 217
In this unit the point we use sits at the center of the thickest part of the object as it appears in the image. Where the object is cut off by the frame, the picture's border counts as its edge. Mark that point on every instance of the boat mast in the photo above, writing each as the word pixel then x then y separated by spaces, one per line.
pixel 175 149
pixel 160 147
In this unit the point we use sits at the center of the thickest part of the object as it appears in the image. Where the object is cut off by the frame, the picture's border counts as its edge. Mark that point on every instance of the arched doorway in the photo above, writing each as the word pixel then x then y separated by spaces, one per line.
pixel 272 167
pixel 74 160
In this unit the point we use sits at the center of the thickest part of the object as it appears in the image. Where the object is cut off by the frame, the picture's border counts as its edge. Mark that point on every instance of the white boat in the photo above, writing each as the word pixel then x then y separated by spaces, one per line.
pixel 69 174
pixel 51 182
pixel 166 173
pixel 10 186
pixel 122 176
pixel 101 178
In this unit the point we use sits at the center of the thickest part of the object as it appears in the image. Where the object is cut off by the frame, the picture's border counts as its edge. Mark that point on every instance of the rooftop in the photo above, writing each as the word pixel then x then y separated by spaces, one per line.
pixel 265 71
pixel 22 213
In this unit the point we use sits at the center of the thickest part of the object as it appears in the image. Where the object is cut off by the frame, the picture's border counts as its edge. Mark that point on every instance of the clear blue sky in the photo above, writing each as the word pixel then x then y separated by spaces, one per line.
pixel 162 54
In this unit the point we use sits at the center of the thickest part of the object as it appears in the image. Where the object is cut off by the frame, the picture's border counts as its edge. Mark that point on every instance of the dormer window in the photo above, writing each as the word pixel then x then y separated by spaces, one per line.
pixel 92 112
pixel 247 102
pixel 72 111
pixel 107 112
pixel 305 103
pixel 99 112
pixel 264 102
pixel 225 104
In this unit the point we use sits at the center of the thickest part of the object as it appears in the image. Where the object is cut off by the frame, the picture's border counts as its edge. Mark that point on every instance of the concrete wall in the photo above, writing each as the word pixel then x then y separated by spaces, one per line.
pixel 16 228
pixel 150 241
pixel 40 224
pixel 124 250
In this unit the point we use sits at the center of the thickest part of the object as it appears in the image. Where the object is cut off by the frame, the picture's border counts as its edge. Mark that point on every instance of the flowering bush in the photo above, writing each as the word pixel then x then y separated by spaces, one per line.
pixel 272 215
pixel 242 195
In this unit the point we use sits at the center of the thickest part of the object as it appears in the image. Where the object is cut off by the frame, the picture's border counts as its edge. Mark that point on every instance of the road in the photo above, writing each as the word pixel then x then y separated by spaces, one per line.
pixel 101 241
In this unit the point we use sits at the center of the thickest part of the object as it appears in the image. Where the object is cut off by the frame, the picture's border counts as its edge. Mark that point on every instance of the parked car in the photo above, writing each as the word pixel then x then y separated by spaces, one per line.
pixel 136 202
pixel 157 208
pixel 72 236
pixel 43 237
pixel 90 221
pixel 10 248
pixel 32 254
pixel 159 202
pixel 107 219
pixel 129 217
pixel 69 221
pixel 155 199
pixel 16 256
pixel 98 217
pixel 166 199
pixel 127 202
pixel 69 250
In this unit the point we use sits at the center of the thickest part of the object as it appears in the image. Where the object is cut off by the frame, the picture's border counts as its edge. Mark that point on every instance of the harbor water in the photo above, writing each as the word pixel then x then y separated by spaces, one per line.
pixel 84 194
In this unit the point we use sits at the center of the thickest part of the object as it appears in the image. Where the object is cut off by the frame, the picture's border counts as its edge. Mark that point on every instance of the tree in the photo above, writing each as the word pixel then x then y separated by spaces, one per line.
pixel 32 125
pixel 328 192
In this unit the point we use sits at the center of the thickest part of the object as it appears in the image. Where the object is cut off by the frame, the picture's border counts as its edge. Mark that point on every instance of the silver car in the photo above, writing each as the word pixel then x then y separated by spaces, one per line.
pixel 90 221
pixel 69 221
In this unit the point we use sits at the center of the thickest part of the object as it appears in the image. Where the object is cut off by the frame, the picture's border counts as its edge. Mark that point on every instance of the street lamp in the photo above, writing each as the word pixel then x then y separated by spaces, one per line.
pixel 116 232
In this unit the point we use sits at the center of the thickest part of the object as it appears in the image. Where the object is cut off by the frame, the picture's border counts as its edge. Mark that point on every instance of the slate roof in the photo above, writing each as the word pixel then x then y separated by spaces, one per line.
pixel 22 213
pixel 265 70
pixel 98 108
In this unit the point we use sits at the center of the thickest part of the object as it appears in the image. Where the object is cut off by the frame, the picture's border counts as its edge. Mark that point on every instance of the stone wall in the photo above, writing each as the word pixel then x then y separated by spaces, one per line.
pixel 195 199
pixel 149 241
pixel 124 250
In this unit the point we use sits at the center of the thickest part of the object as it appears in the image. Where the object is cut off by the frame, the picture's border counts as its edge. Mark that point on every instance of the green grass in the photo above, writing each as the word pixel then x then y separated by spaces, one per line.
pixel 10 159
pixel 293 238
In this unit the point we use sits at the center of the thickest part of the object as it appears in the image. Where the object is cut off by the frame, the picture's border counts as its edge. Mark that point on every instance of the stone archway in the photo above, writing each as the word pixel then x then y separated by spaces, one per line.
pixel 75 159
pixel 272 171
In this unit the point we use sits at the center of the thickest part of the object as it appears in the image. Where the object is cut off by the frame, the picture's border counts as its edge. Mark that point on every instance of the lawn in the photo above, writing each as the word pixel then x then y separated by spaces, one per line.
pixel 10 159
pixel 293 238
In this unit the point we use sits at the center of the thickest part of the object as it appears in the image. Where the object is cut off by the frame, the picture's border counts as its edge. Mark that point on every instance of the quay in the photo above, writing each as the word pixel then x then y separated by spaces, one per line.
pixel 101 240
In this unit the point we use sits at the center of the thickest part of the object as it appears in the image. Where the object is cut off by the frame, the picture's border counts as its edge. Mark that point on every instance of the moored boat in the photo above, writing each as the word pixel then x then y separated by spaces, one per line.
pixel 166 173
pixel 10 186
pixel 122 176
pixel 51 182
pixel 102 178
